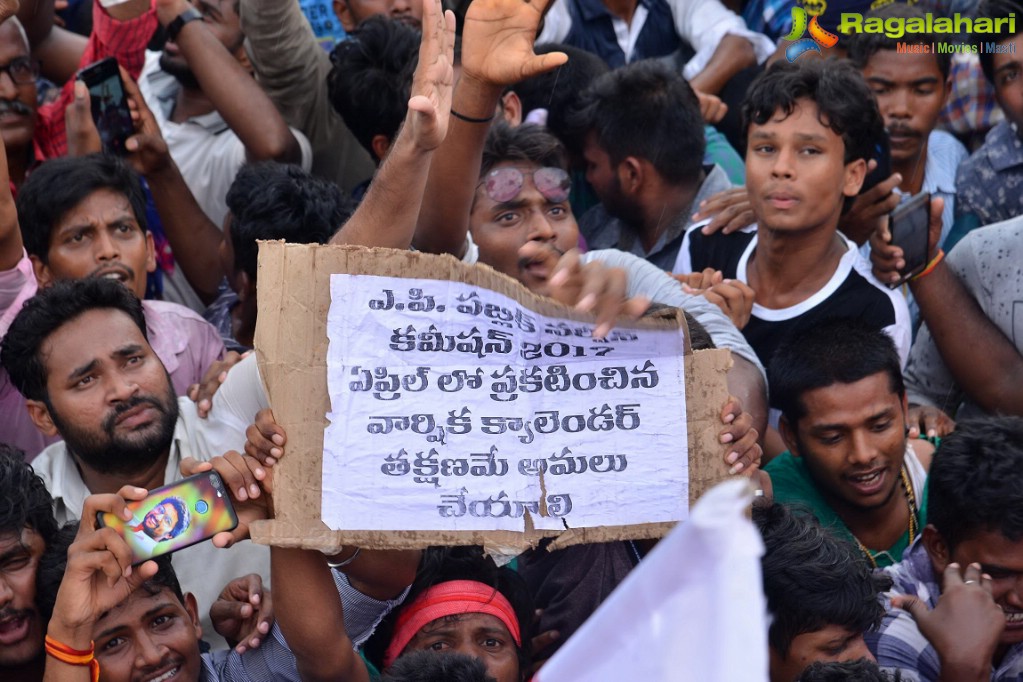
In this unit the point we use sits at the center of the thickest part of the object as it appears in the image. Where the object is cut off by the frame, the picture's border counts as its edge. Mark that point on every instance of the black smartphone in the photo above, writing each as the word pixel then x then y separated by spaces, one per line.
pixel 109 104
pixel 909 225
pixel 175 516
pixel 883 155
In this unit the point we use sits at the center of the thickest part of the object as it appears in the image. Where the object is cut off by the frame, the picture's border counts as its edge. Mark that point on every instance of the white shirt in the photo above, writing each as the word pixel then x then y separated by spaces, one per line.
pixel 207 152
pixel 202 569
pixel 702 23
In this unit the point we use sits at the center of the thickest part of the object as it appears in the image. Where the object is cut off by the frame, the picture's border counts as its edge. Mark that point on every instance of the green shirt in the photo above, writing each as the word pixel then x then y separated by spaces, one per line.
pixel 793 486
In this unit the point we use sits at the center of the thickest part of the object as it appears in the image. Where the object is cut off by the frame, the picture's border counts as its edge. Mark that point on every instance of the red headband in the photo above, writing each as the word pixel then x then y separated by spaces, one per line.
pixel 450 598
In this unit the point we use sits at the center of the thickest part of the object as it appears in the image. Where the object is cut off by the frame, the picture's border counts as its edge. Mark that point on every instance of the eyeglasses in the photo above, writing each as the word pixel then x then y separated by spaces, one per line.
pixel 504 184
pixel 22 70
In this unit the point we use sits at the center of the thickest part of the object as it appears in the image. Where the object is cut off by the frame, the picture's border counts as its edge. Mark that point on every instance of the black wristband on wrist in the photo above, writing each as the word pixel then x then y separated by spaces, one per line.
pixel 174 27
pixel 470 119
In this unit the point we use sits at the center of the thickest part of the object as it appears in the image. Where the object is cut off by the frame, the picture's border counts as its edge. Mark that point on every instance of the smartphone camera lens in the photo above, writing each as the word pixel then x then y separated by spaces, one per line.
pixel 215 481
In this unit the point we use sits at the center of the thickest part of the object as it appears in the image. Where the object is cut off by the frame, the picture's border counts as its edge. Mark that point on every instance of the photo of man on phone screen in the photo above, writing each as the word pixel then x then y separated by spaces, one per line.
pixel 166 521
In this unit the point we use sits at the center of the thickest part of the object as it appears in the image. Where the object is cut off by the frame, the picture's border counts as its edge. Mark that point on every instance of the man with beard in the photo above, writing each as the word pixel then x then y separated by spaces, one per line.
pixel 86 217
pixel 165 521
pixel 643 148
pixel 27 526
pixel 212 113
pixel 33 133
pixel 79 353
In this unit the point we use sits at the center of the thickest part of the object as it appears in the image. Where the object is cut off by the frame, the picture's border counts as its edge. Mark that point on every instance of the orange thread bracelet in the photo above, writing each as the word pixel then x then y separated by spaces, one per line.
pixel 930 266
pixel 65 654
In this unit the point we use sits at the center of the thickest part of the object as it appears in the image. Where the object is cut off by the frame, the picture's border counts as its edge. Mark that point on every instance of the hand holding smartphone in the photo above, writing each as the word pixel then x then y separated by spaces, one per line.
pixel 175 516
pixel 110 109
pixel 909 226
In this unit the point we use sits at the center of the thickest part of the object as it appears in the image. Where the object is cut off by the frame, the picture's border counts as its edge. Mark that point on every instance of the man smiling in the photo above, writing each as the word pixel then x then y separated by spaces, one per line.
pixel 976 493
pixel 26 527
pixel 843 405
pixel 165 521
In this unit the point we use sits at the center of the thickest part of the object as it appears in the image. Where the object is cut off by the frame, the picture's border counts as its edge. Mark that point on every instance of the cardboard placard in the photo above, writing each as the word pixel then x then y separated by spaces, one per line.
pixel 291 342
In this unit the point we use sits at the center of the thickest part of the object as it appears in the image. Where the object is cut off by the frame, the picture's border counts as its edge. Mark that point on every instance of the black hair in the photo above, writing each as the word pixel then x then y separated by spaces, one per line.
pixel 558 89
pixel 699 337
pixel 184 516
pixel 24 500
pixel 994 10
pixel 863 46
pixel 527 142
pixel 426 666
pixel 443 564
pixel 837 351
pixel 844 102
pixel 813 579
pixel 371 78
pixel 48 311
pixel 862 670
pixel 53 564
pixel 58 185
pixel 976 480
pixel 271 200
pixel 646 109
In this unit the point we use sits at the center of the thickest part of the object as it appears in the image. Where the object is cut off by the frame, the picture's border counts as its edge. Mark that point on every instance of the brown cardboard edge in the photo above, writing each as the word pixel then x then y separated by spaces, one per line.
pixel 298 477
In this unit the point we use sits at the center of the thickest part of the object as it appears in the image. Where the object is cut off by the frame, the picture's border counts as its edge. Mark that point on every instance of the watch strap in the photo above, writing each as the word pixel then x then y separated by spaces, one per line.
pixel 174 27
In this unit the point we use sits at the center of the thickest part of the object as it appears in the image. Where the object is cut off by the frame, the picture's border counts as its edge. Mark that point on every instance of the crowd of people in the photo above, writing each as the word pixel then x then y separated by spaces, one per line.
pixel 618 156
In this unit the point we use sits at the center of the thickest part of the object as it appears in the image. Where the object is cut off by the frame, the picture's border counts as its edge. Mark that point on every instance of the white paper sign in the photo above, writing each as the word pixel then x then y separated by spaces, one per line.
pixel 455 408
pixel 693 609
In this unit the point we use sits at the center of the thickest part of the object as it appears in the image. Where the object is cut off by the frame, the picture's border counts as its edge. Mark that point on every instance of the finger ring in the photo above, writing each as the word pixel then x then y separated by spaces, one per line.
pixel 969 582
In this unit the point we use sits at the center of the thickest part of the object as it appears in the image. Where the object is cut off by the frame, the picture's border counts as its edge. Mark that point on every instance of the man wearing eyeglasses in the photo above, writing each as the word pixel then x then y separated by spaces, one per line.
pixel 34 133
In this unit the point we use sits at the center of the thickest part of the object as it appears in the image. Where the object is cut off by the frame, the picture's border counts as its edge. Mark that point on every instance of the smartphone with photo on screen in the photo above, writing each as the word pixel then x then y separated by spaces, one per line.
pixel 110 109
pixel 909 226
pixel 175 516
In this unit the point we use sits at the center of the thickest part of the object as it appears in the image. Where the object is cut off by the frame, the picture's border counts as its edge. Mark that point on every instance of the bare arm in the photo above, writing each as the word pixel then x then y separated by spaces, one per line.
pixel 194 239
pixel 733 54
pixel 381 574
pixel 312 618
pixel 234 92
pixel 387 215
pixel 497 51
pixel 746 382
pixel 985 364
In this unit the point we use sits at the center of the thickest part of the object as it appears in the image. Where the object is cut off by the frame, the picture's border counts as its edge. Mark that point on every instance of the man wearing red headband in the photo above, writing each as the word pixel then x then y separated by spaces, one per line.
pixel 465 616
pixel 460 603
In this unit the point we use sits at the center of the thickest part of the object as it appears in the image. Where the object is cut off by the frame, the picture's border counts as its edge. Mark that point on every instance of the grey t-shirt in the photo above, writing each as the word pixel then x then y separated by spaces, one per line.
pixel 989 261
pixel 646 279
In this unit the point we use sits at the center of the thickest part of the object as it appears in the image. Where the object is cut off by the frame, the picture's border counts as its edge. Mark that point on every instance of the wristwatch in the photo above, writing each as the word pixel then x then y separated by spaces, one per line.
pixel 174 27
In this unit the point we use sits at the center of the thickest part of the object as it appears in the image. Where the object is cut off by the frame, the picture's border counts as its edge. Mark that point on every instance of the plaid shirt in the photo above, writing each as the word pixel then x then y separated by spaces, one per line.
pixel 898 644
pixel 124 40
pixel 971 105
pixel 989 184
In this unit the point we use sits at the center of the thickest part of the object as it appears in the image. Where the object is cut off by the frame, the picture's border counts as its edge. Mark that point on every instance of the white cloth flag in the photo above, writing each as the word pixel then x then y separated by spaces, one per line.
pixel 693 609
